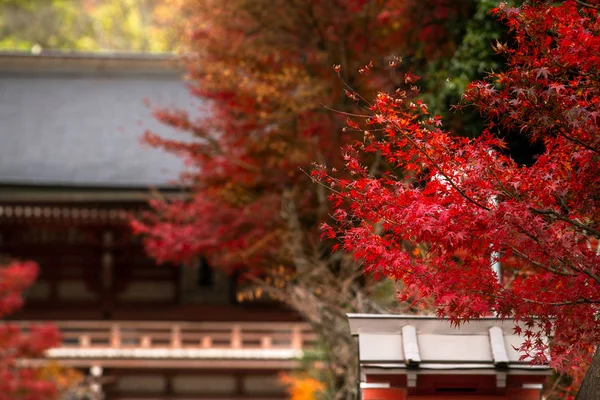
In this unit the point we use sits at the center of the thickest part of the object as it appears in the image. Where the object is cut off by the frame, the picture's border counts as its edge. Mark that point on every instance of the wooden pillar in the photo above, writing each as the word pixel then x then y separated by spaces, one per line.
pixel 175 336
pixel 384 394
pixel 52 271
pixel 168 376
pixel 107 274
pixel 297 337
pixel 266 342
pixel 179 284
pixel 236 337
pixel 146 341
pixel 239 384
pixel 84 341
pixel 206 342
pixel 115 336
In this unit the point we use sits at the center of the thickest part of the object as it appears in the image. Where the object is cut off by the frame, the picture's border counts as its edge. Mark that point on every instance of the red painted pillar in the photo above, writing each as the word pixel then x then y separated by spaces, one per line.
pixel 523 394
pixel 384 394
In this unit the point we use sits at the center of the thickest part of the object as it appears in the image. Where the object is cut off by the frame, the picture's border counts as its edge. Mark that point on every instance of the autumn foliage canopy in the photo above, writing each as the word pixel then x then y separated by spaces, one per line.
pixel 17 381
pixel 444 208
pixel 449 207
pixel 262 72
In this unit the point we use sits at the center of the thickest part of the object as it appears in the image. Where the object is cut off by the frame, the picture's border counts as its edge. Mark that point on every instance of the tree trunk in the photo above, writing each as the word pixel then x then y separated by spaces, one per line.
pixel 590 387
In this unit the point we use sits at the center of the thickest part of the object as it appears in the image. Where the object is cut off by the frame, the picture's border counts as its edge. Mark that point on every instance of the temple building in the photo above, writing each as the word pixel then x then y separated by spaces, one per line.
pixel 72 170
pixel 405 357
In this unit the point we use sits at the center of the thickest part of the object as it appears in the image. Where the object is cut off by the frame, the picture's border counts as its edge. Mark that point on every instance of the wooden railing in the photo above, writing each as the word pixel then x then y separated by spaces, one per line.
pixel 184 335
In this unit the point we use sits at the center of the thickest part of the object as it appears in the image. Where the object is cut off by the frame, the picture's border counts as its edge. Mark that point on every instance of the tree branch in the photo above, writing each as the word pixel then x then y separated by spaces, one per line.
pixel 438 167
pixel 587 5
pixel 562 303
pixel 561 217
pixel 540 265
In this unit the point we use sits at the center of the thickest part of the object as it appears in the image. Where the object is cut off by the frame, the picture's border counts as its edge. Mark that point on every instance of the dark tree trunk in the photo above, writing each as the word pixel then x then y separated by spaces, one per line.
pixel 590 387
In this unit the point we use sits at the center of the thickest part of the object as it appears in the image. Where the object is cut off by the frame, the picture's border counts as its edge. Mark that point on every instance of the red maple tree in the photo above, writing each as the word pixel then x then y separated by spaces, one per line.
pixel 450 207
pixel 263 69
pixel 18 381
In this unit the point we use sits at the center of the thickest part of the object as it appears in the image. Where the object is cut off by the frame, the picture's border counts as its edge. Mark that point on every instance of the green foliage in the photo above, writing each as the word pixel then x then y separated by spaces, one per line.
pixel 446 78
pixel 89 25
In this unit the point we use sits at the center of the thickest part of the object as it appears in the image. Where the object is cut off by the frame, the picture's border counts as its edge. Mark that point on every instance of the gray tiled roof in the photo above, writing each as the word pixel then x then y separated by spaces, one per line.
pixel 83 129
pixel 426 342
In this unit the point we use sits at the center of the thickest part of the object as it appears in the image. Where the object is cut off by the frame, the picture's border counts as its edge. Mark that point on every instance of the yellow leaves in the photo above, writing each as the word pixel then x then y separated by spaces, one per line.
pixel 302 387
pixel 244 296
pixel 236 194
pixel 168 11
pixel 276 277
pixel 64 378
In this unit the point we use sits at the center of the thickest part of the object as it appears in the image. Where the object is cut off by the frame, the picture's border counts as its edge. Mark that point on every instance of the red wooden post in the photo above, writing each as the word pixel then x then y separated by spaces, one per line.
pixel 84 341
pixel 236 337
pixel 115 336
pixel 145 341
pixel 206 342
pixel 176 336
pixel 384 394
pixel 266 342
pixel 296 337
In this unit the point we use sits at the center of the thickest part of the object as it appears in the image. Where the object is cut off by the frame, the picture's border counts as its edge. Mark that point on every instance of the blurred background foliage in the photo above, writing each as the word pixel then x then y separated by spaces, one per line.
pixel 473 57
pixel 90 25
pixel 446 62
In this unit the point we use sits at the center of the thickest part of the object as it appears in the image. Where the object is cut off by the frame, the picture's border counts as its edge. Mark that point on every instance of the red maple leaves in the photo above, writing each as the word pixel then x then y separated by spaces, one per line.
pixel 16 380
pixel 468 204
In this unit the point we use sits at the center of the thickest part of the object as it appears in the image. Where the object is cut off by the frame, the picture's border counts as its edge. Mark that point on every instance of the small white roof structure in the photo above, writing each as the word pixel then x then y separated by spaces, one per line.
pixel 411 343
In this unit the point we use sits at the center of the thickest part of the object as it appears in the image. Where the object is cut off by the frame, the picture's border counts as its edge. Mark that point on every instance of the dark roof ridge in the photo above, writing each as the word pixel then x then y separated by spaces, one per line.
pixel 101 55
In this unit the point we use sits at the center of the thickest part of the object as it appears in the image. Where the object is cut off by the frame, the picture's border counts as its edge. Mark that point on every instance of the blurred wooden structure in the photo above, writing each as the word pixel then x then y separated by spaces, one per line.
pixel 72 171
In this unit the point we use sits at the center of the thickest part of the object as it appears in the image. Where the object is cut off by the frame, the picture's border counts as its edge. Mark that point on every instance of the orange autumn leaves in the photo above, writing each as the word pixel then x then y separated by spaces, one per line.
pixel 302 387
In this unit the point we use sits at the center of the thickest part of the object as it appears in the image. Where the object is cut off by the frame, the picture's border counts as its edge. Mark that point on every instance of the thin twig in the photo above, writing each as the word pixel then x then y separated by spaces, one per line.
pixel 439 168
pixel 587 5
pixel 561 217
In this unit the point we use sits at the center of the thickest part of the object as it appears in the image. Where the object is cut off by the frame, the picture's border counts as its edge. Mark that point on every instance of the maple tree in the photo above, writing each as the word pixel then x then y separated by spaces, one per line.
pixel 302 387
pixel 264 68
pixel 17 381
pixel 450 207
